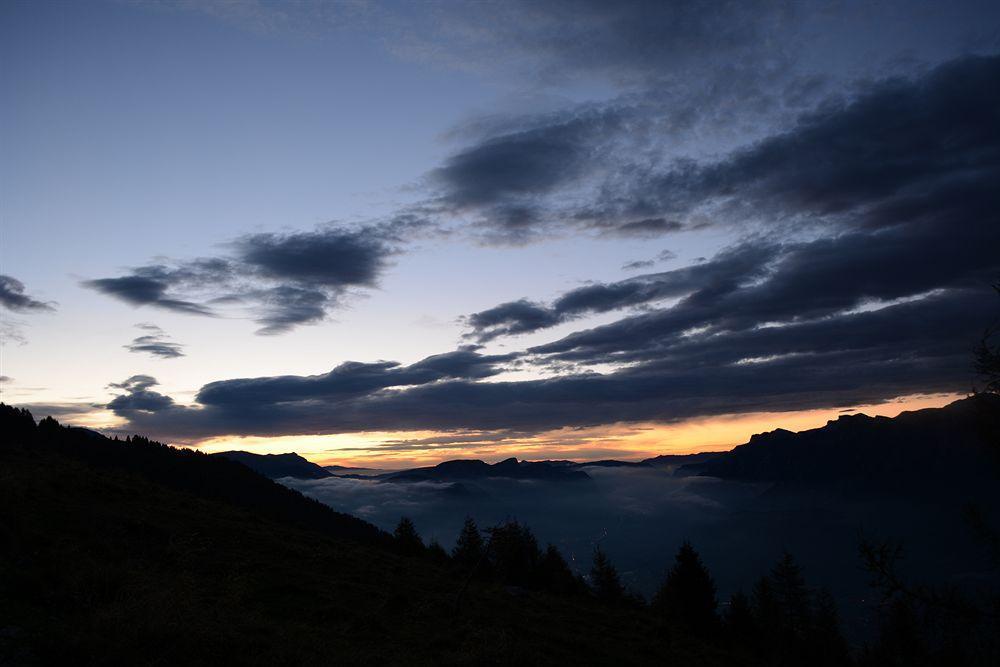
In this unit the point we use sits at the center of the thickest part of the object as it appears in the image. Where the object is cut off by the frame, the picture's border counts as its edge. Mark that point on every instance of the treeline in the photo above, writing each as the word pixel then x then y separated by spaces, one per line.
pixel 781 621
pixel 209 477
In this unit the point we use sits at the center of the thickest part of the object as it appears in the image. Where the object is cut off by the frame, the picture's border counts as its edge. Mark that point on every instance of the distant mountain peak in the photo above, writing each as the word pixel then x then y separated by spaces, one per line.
pixel 464 469
pixel 277 466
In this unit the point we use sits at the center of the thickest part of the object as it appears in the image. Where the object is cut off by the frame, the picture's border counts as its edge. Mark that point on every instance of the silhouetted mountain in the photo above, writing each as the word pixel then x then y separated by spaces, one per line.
pixel 670 460
pixel 475 469
pixel 276 466
pixel 351 470
pixel 611 463
pixel 914 448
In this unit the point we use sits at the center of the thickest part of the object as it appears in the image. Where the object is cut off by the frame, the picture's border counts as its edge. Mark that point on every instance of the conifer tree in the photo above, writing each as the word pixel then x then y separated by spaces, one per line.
pixel 604 579
pixel 468 551
pixel 825 639
pixel 738 622
pixel 687 595
pixel 900 639
pixel 514 555
pixel 988 357
pixel 555 574
pixel 792 596
pixel 766 614
pixel 407 539
pixel 437 554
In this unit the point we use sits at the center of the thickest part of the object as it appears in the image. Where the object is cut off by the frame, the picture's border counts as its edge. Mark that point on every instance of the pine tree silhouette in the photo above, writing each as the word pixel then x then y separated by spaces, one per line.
pixel 514 555
pixel 19 425
pixel 738 622
pixel 687 595
pixel 793 597
pixel 825 640
pixel 555 574
pixel 987 357
pixel 437 554
pixel 604 579
pixel 766 616
pixel 901 638
pixel 406 538
pixel 468 551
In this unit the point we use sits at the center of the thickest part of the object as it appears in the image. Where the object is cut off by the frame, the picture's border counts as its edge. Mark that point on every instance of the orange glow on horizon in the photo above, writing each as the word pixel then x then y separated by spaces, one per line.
pixel 622 441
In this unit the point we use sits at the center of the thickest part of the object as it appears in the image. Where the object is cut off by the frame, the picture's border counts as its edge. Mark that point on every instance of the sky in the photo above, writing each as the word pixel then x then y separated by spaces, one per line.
pixel 395 233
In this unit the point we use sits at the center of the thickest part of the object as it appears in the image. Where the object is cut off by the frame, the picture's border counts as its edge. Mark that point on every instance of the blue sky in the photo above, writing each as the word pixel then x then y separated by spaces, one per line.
pixel 532 149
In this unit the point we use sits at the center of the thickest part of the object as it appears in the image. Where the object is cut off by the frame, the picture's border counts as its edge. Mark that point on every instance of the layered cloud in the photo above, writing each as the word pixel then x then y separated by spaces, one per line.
pixel 283 280
pixel 878 159
pixel 155 342
pixel 138 397
pixel 866 278
pixel 863 357
pixel 903 178
pixel 859 214
pixel 866 157
pixel 352 379
pixel 725 271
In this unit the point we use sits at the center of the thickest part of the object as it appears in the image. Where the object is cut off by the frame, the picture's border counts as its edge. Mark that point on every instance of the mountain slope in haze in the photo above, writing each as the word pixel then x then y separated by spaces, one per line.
pixel 352 470
pixel 106 560
pixel 672 460
pixel 953 444
pixel 276 466
pixel 511 468
pixel 608 463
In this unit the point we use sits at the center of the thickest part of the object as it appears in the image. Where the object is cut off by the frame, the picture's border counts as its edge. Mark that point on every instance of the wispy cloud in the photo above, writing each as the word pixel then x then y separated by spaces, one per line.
pixel 13 297
pixel 283 280
pixel 155 342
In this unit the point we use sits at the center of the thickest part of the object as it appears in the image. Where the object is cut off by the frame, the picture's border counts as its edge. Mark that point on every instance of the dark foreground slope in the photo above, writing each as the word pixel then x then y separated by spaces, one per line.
pixel 105 562
pixel 186 470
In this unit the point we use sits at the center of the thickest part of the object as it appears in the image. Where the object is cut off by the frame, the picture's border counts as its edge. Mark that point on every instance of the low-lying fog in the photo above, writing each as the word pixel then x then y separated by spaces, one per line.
pixel 640 516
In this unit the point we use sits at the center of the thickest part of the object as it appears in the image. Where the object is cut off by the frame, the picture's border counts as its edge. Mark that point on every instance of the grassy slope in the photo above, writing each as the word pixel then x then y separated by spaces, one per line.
pixel 104 566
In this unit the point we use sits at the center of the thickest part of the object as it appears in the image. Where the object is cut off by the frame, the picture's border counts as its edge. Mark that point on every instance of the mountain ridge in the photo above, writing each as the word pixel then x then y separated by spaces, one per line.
pixel 276 466
pixel 764 457
pixel 950 442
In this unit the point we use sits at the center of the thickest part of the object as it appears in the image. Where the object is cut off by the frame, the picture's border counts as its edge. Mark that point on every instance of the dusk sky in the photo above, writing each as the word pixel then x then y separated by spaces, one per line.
pixel 384 233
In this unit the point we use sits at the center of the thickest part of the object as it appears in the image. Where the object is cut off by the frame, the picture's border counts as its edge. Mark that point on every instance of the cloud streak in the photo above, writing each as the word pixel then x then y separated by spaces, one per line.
pixel 155 342
pixel 848 160
pixel 283 280
pixel 869 356
pixel 13 297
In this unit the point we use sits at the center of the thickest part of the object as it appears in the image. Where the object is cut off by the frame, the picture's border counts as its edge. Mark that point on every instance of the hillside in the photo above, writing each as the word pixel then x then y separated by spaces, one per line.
pixel 127 553
pixel 209 477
